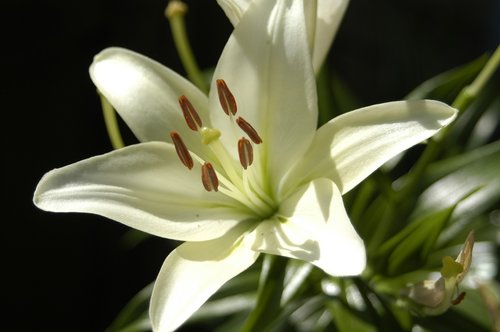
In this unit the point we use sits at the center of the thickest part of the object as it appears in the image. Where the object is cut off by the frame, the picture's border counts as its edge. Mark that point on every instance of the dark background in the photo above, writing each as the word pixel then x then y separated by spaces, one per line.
pixel 74 272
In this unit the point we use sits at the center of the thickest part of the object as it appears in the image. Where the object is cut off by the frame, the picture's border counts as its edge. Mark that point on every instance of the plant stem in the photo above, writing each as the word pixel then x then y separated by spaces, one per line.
pixel 400 204
pixel 470 92
pixel 268 306
pixel 111 123
pixel 466 96
pixel 175 13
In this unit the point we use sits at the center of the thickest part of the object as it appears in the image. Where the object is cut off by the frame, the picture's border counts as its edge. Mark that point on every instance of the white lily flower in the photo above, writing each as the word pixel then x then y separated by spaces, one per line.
pixel 254 176
pixel 323 18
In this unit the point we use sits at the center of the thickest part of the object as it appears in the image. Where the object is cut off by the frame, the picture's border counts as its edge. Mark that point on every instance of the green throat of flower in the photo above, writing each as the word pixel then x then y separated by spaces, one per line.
pixel 224 174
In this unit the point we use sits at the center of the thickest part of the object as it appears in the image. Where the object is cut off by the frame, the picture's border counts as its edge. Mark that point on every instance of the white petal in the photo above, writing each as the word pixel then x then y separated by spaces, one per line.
pixel 145 94
pixel 315 228
pixel 330 13
pixel 143 186
pixel 234 9
pixel 266 63
pixel 350 147
pixel 192 273
pixel 328 17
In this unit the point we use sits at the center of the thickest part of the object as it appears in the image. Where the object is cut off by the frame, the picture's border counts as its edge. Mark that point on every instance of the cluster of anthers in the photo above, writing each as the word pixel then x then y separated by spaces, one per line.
pixel 235 182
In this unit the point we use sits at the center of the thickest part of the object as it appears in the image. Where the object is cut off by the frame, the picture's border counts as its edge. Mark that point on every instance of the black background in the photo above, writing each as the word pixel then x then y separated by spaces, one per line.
pixel 73 272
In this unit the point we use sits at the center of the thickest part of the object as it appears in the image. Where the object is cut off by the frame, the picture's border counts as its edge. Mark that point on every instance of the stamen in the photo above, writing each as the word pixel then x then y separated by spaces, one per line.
pixel 245 151
pixel 181 150
pixel 209 178
pixel 193 120
pixel 249 130
pixel 458 299
pixel 226 98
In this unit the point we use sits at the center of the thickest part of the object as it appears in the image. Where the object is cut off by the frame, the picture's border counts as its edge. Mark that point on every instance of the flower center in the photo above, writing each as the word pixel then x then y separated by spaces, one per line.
pixel 223 174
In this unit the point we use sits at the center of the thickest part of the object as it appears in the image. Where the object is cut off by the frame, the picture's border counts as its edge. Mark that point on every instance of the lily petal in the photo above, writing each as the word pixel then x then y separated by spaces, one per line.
pixel 351 146
pixel 266 64
pixel 328 17
pixel 314 227
pixel 330 14
pixel 192 273
pixel 145 94
pixel 234 9
pixel 143 186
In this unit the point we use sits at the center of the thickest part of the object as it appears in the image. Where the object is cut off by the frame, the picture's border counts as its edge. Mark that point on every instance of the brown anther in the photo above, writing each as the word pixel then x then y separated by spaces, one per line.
pixel 181 150
pixel 193 120
pixel 209 178
pixel 249 130
pixel 245 151
pixel 226 98
pixel 458 299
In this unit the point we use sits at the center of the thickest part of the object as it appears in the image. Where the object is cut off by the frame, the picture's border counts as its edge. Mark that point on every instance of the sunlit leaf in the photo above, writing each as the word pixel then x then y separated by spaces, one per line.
pixel 346 319
pixel 479 173
pixel 446 86
pixel 410 247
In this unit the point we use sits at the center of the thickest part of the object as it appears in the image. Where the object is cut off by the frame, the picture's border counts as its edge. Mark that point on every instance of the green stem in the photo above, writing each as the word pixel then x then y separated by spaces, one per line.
pixel 111 123
pixel 399 204
pixel 470 92
pixel 268 306
pixel 175 13
pixel 463 100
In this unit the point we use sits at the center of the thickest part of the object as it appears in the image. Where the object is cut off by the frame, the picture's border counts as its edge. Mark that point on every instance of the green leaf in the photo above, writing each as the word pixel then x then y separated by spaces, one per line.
pixel 446 86
pixel 347 320
pixel 134 316
pixel 476 123
pixel 225 306
pixel 484 129
pixel 474 306
pixel 488 153
pixel 409 248
pixel 479 173
pixel 270 292
pixel 451 321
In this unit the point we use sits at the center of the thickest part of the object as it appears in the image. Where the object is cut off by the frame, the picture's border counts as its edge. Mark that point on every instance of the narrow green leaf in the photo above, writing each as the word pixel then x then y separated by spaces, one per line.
pixel 413 250
pixel 451 321
pixel 134 316
pixel 269 294
pixel 446 86
pixel 488 153
pixel 474 307
pixel 410 248
pixel 225 306
pixel 346 319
